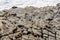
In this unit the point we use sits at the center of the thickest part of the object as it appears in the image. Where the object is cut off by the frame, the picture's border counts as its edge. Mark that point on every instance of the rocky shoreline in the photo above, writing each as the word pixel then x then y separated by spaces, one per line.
pixel 30 23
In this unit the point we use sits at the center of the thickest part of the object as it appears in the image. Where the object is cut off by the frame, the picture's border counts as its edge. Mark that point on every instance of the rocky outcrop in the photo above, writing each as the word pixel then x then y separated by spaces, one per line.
pixel 30 23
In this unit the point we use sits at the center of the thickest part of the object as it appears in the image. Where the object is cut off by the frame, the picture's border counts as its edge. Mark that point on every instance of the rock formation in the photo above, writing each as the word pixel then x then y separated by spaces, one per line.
pixel 30 23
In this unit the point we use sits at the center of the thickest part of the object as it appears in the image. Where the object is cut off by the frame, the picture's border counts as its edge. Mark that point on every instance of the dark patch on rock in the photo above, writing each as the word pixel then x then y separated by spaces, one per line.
pixel 14 7
pixel 47 26
pixel 20 26
pixel 15 30
pixel 50 19
pixel 14 14
pixel 11 38
pixel 1 36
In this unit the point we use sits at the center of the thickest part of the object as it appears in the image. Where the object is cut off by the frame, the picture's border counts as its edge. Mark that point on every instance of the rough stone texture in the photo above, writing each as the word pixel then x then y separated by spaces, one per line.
pixel 30 23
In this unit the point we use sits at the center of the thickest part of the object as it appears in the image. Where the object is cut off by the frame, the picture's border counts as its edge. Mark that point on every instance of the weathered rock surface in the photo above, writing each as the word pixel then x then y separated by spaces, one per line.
pixel 30 23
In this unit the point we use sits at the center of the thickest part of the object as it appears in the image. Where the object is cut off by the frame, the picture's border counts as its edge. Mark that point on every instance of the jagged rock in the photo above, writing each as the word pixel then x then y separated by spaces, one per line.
pixel 30 23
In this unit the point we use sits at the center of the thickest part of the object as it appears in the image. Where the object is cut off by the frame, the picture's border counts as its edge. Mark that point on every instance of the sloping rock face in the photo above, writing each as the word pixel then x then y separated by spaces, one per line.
pixel 30 23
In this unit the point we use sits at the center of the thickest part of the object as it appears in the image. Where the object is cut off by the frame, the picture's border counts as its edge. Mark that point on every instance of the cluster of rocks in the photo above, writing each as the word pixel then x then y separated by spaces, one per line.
pixel 25 23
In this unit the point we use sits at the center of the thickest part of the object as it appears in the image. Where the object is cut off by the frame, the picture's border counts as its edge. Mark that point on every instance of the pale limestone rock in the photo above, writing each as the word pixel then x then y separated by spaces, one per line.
pixel 1 24
pixel 31 20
